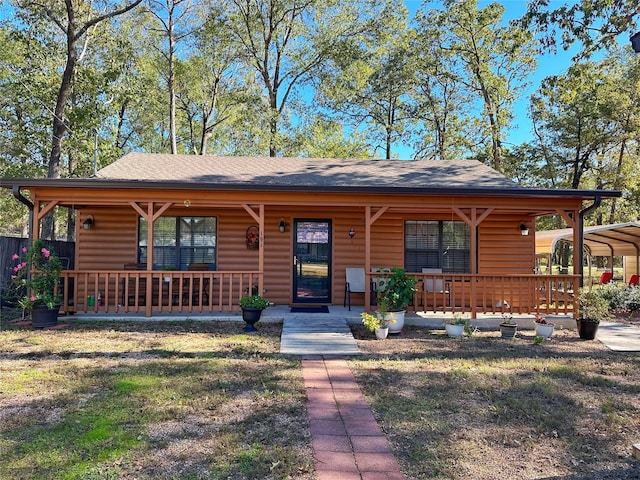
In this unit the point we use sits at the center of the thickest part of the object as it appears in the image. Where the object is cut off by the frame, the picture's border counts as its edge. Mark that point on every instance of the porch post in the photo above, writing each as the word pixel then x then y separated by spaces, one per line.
pixel 369 220
pixel 35 233
pixel 40 214
pixel 261 251
pixel 578 237
pixel 149 292
pixel 258 217
pixel 150 217
pixel 473 221
pixel 367 256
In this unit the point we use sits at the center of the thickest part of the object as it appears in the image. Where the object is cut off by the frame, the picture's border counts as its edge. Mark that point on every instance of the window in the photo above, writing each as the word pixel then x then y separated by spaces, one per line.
pixel 179 241
pixel 436 244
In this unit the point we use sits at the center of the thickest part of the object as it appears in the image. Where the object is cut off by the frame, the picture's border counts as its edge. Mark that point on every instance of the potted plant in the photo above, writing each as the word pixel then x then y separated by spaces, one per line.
pixel 37 271
pixel 508 327
pixel 593 307
pixel 544 328
pixel 378 323
pixel 455 327
pixel 252 307
pixel 396 291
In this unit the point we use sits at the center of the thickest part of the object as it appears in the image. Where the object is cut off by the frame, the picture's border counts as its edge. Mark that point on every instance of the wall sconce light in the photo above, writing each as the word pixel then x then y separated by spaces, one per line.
pixel 88 223
pixel 282 225
pixel 187 203
pixel 524 230
pixel 352 233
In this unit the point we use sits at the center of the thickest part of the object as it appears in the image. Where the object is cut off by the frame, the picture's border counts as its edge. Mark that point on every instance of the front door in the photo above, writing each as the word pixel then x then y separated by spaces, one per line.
pixel 312 261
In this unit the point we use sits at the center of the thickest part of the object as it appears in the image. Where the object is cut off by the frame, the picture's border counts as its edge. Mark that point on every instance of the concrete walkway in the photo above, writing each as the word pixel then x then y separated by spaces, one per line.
pixel 619 337
pixel 347 441
pixel 317 334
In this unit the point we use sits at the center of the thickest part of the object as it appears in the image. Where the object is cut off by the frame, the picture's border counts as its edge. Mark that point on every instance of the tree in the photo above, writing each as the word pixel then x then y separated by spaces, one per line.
pixel 595 24
pixel 176 24
pixel 369 83
pixel 320 137
pixel 212 84
pixel 491 60
pixel 287 41
pixel 441 104
pixel 587 125
pixel 26 67
pixel 73 19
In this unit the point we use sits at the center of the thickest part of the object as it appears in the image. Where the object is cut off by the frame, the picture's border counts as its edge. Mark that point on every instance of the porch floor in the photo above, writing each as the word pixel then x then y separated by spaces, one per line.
pixel 279 313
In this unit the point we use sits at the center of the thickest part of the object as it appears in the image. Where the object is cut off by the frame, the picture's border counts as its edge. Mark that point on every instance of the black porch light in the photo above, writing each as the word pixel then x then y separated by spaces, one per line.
pixel 88 223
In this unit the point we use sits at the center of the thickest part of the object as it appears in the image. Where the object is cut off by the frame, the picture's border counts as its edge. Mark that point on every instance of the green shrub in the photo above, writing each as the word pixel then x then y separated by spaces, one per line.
pixel 614 293
pixel 633 300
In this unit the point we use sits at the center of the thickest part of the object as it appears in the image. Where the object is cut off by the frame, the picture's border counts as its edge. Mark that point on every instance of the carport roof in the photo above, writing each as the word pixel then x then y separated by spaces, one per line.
pixel 621 239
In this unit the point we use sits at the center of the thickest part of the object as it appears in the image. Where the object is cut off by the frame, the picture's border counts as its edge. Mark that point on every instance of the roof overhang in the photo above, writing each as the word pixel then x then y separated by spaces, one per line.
pixel 94 183
pixel 622 239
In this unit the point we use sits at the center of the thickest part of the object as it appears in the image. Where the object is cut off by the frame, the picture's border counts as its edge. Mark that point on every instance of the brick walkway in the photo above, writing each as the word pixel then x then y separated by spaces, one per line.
pixel 347 441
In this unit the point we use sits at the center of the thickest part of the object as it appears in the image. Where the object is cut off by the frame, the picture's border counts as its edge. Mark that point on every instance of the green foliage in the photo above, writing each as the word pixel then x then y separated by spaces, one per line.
pixel 38 271
pixel 457 320
pixel 486 58
pixel 593 304
pixel 253 301
pixel 615 294
pixel 378 320
pixel 396 290
pixel 632 300
pixel 593 24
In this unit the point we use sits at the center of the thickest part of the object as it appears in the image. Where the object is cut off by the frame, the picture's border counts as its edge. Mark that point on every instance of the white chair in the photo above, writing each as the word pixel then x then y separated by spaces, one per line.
pixel 436 285
pixel 355 283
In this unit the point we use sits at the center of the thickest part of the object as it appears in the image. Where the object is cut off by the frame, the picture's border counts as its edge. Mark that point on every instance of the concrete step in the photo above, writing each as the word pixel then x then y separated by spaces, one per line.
pixel 310 335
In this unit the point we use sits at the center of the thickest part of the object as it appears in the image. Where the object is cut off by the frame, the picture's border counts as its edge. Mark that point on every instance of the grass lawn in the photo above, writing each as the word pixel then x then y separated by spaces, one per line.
pixel 147 400
pixel 487 408
pixel 204 400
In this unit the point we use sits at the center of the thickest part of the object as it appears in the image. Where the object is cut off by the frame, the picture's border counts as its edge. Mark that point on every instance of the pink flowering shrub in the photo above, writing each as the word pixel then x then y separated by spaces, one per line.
pixel 38 270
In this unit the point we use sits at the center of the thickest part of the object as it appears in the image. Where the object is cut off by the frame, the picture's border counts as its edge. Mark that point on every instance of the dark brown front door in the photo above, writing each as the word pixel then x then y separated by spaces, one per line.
pixel 312 261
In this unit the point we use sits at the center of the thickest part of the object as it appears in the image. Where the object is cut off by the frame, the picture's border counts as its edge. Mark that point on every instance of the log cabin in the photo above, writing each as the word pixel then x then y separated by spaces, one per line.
pixel 160 233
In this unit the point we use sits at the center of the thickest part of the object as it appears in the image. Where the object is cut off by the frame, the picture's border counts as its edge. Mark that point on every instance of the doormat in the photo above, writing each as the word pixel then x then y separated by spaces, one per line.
pixel 322 309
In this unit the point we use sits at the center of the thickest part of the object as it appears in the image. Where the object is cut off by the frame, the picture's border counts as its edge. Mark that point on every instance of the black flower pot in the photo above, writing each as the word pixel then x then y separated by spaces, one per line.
pixel 251 316
pixel 587 329
pixel 43 316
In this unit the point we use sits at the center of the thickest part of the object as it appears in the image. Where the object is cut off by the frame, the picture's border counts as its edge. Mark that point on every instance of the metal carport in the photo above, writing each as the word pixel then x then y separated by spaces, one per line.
pixel 616 240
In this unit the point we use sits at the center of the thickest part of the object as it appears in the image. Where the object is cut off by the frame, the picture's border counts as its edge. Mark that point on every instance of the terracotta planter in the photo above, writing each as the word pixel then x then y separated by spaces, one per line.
pixel 42 316
pixel 587 329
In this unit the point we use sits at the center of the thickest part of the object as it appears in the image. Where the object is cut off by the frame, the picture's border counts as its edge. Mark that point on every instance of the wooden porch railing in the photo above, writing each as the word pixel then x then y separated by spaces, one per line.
pixel 123 291
pixel 496 294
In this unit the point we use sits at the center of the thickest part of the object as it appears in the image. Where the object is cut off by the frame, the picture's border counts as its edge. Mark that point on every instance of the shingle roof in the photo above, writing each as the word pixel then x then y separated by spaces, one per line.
pixel 301 172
